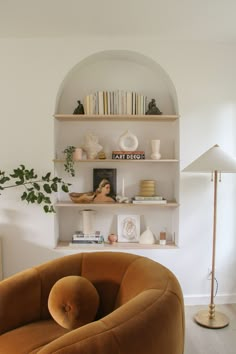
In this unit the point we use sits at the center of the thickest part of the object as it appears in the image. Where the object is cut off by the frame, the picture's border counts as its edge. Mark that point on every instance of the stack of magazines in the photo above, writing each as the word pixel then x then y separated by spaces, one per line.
pixel 79 238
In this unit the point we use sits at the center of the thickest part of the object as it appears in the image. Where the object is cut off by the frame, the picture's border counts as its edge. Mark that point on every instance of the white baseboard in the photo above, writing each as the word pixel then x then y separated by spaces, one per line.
pixel 190 300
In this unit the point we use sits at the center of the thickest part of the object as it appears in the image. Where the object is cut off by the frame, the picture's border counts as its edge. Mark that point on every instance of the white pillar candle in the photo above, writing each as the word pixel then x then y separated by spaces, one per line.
pixel 123 188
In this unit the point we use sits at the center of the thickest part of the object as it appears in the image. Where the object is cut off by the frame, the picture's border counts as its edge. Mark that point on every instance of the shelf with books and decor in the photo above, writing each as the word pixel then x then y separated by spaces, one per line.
pixel 72 128
pixel 108 113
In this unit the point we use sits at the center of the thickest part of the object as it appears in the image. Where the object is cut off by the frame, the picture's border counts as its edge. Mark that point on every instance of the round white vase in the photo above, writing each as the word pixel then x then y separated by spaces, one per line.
pixel 155 149
pixel 147 237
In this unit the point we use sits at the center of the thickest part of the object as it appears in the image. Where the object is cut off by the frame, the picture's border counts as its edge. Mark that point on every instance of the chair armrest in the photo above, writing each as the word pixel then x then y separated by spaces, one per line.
pixel 20 297
pixel 145 324
pixel 94 337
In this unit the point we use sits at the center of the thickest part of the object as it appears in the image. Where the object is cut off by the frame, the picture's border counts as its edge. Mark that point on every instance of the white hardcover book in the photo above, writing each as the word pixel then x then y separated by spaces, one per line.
pixel 91 104
pixel 133 102
pixel 129 102
pixel 156 197
pixel 108 102
pixel 85 105
pixel 88 104
pixel 100 103
pixel 149 201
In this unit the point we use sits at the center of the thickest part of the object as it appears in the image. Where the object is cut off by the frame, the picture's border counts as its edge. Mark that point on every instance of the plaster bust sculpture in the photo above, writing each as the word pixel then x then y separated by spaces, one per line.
pixel 91 146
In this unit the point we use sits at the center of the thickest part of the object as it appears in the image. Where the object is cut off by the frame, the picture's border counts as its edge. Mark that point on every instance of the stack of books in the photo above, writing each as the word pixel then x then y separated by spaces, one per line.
pixel 79 238
pixel 115 102
pixel 128 155
pixel 156 199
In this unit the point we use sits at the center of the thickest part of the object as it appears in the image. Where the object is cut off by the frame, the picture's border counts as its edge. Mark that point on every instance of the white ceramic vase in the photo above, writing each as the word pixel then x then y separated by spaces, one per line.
pixel 88 216
pixel 77 154
pixel 147 237
pixel 155 150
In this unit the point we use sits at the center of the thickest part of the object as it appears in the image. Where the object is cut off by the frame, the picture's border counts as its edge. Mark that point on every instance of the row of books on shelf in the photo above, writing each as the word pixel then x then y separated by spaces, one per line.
pixel 128 155
pixel 115 102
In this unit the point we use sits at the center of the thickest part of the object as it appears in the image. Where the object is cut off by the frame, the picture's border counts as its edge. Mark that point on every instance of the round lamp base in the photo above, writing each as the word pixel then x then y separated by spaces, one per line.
pixel 220 320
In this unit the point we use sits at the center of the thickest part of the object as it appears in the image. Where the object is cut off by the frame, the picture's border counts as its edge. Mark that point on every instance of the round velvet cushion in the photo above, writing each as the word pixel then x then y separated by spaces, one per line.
pixel 73 301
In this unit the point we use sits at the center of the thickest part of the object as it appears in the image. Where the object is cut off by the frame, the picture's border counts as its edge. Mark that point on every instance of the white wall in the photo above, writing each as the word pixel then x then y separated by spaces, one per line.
pixel 31 73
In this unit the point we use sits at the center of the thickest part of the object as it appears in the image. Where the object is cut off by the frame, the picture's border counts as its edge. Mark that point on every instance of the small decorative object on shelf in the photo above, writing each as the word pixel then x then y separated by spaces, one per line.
pixel 79 109
pixel 162 238
pixel 128 141
pixel 122 198
pixel 77 154
pixel 86 197
pixel 147 188
pixel 102 155
pixel 112 238
pixel 152 108
pixel 155 149
pixel 91 146
pixel 147 237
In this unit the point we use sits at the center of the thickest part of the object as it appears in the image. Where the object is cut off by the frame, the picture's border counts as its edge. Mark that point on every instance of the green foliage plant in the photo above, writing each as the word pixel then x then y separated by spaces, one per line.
pixel 36 189
pixel 69 164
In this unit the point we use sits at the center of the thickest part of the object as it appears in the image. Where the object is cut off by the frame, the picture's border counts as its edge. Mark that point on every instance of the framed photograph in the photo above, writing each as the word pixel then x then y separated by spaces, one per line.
pixel 109 174
pixel 128 228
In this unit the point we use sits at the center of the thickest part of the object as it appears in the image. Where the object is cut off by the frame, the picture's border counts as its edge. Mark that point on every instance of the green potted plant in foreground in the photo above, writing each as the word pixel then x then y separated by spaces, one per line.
pixel 36 189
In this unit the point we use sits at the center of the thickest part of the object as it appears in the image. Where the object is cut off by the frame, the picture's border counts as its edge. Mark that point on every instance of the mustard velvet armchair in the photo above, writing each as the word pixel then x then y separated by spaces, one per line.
pixel 140 311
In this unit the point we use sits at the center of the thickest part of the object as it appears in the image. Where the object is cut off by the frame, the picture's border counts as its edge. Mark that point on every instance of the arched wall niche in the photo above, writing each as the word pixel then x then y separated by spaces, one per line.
pixel 117 70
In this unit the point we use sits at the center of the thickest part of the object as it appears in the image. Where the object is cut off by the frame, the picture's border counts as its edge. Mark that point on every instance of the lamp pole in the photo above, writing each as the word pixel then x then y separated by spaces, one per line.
pixel 212 318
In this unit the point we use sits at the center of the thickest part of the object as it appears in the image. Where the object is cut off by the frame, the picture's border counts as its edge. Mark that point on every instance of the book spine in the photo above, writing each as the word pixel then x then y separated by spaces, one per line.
pixel 149 201
pixel 128 156
pixel 100 103
pixel 128 152
pixel 137 197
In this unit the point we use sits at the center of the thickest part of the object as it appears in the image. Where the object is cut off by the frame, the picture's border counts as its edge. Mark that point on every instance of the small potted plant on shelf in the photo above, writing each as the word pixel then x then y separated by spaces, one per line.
pixel 69 164
pixel 36 189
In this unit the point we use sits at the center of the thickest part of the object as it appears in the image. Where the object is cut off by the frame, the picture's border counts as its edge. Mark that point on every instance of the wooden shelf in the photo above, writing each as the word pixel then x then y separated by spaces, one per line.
pixel 114 117
pixel 119 161
pixel 65 245
pixel 70 204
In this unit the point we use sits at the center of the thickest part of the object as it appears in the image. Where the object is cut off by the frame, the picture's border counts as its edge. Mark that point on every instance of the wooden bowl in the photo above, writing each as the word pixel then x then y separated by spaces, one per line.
pixel 86 197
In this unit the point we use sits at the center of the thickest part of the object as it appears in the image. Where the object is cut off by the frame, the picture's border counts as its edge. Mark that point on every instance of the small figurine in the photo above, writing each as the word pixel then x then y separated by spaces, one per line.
pixel 152 108
pixel 79 109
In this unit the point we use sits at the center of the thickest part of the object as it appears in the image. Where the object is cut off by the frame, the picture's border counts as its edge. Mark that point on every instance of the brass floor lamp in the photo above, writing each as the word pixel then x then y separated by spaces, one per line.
pixel 214 161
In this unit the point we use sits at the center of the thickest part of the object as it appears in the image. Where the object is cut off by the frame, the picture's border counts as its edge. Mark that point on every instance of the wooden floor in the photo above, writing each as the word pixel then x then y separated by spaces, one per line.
pixel 200 340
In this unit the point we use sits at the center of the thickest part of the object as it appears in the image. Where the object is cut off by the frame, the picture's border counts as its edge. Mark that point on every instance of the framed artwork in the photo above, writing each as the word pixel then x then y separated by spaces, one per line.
pixel 109 174
pixel 128 228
